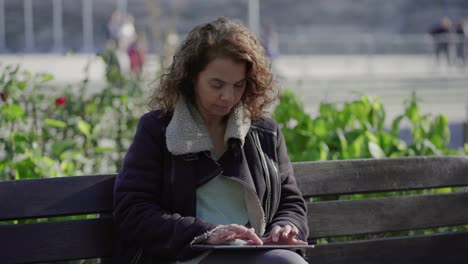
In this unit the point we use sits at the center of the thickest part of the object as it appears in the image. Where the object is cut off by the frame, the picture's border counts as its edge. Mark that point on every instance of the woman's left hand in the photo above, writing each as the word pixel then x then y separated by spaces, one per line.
pixel 286 235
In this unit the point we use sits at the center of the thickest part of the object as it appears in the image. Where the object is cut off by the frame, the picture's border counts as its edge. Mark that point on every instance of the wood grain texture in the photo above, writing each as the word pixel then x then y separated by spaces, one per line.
pixel 53 241
pixel 56 196
pixel 354 217
pixel 93 238
pixel 376 175
pixel 431 249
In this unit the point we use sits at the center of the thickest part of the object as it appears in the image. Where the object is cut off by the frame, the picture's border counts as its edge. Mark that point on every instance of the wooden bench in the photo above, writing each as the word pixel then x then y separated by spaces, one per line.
pixel 92 238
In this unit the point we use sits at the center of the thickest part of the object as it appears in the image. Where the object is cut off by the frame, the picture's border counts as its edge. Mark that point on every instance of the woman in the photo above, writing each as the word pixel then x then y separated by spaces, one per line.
pixel 206 166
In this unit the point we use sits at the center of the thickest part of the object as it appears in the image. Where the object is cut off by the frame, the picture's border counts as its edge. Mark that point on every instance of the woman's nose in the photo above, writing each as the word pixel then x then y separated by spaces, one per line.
pixel 227 94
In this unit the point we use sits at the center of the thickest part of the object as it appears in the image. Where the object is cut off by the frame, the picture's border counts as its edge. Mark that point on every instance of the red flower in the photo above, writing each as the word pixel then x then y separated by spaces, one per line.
pixel 4 96
pixel 61 101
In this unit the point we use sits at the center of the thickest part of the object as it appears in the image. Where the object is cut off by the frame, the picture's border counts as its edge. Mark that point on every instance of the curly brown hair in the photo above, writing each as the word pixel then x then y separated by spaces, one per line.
pixel 219 38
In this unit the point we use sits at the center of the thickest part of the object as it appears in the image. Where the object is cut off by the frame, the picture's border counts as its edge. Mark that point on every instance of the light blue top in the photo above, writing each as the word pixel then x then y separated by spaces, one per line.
pixel 220 201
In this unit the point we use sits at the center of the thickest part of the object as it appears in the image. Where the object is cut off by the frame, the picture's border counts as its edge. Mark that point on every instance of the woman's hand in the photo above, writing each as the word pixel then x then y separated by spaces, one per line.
pixel 286 235
pixel 223 233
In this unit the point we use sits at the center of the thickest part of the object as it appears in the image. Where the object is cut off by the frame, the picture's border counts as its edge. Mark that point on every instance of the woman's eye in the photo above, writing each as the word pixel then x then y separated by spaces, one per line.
pixel 217 86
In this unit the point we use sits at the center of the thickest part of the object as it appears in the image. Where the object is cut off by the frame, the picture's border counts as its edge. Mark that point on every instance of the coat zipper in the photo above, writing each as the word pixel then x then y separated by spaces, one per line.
pixel 137 257
pixel 267 178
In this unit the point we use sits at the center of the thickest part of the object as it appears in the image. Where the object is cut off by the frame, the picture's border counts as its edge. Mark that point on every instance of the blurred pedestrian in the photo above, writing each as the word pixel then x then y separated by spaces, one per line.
pixel 112 29
pixel 440 34
pixel 127 33
pixel 137 53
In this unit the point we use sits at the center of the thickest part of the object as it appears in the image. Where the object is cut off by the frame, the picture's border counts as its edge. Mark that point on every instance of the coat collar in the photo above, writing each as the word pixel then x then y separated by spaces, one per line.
pixel 187 133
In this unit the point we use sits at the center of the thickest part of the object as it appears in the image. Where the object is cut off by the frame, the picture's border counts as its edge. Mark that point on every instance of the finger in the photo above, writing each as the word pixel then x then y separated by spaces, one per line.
pixel 237 228
pixel 294 230
pixel 286 231
pixel 252 237
pixel 275 233
pixel 242 232
pixel 219 235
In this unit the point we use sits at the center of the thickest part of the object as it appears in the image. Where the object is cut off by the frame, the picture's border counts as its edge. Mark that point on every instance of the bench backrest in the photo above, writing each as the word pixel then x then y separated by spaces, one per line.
pixel 56 240
pixel 331 217
pixel 338 216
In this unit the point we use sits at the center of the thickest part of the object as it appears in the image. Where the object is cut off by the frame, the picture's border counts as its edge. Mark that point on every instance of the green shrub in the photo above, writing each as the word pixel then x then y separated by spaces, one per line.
pixel 356 130
pixel 46 133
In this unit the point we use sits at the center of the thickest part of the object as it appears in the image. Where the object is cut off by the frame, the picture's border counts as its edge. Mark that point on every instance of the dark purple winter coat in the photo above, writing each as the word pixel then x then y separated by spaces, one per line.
pixel 155 190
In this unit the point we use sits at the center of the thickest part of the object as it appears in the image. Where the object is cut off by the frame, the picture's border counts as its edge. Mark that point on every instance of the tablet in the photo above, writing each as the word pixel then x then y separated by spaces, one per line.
pixel 249 247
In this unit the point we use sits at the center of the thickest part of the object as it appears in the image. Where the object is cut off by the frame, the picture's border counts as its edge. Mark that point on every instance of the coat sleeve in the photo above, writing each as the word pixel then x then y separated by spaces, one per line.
pixel 292 208
pixel 137 198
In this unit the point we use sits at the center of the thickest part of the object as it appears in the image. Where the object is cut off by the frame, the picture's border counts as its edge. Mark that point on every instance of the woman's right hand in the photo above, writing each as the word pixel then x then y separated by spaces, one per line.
pixel 223 233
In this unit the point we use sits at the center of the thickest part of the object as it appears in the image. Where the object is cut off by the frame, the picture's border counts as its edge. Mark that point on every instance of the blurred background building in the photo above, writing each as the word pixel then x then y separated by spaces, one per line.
pixel 303 26
pixel 326 50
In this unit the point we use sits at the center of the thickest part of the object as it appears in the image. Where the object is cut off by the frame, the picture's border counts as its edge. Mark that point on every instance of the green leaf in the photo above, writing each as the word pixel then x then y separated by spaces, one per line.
pixel 327 109
pixel 91 107
pixel 429 145
pixel 412 112
pixel 124 99
pixel 103 149
pixel 22 142
pixel 55 123
pixel 343 143
pixel 48 161
pixel 25 169
pixel 320 128
pixel 375 150
pixel 385 141
pixel 444 190
pixel 47 77
pixel 357 147
pixel 324 151
pixel 68 167
pixel 11 112
pixel 60 147
pixel 7 86
pixel 22 85
pixel 396 125
pixel 84 127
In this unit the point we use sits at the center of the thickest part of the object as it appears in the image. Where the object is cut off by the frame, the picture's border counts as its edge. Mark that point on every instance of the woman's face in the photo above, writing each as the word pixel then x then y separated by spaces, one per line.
pixel 219 87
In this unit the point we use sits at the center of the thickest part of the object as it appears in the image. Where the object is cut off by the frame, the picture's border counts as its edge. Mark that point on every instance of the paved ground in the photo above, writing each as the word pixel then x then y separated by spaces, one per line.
pixel 336 78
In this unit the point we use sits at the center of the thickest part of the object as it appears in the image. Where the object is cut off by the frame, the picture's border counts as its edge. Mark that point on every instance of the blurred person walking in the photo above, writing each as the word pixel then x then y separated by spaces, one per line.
pixel 112 29
pixel 440 34
pixel 127 32
pixel 127 35
pixel 137 53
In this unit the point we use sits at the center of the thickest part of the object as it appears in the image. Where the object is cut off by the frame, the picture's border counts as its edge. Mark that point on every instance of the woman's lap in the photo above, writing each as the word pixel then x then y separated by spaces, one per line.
pixel 274 256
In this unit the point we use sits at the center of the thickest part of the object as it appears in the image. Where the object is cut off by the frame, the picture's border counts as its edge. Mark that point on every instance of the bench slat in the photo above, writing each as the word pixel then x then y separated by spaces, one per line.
pixel 376 175
pixel 431 249
pixel 53 241
pixel 353 217
pixel 56 196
